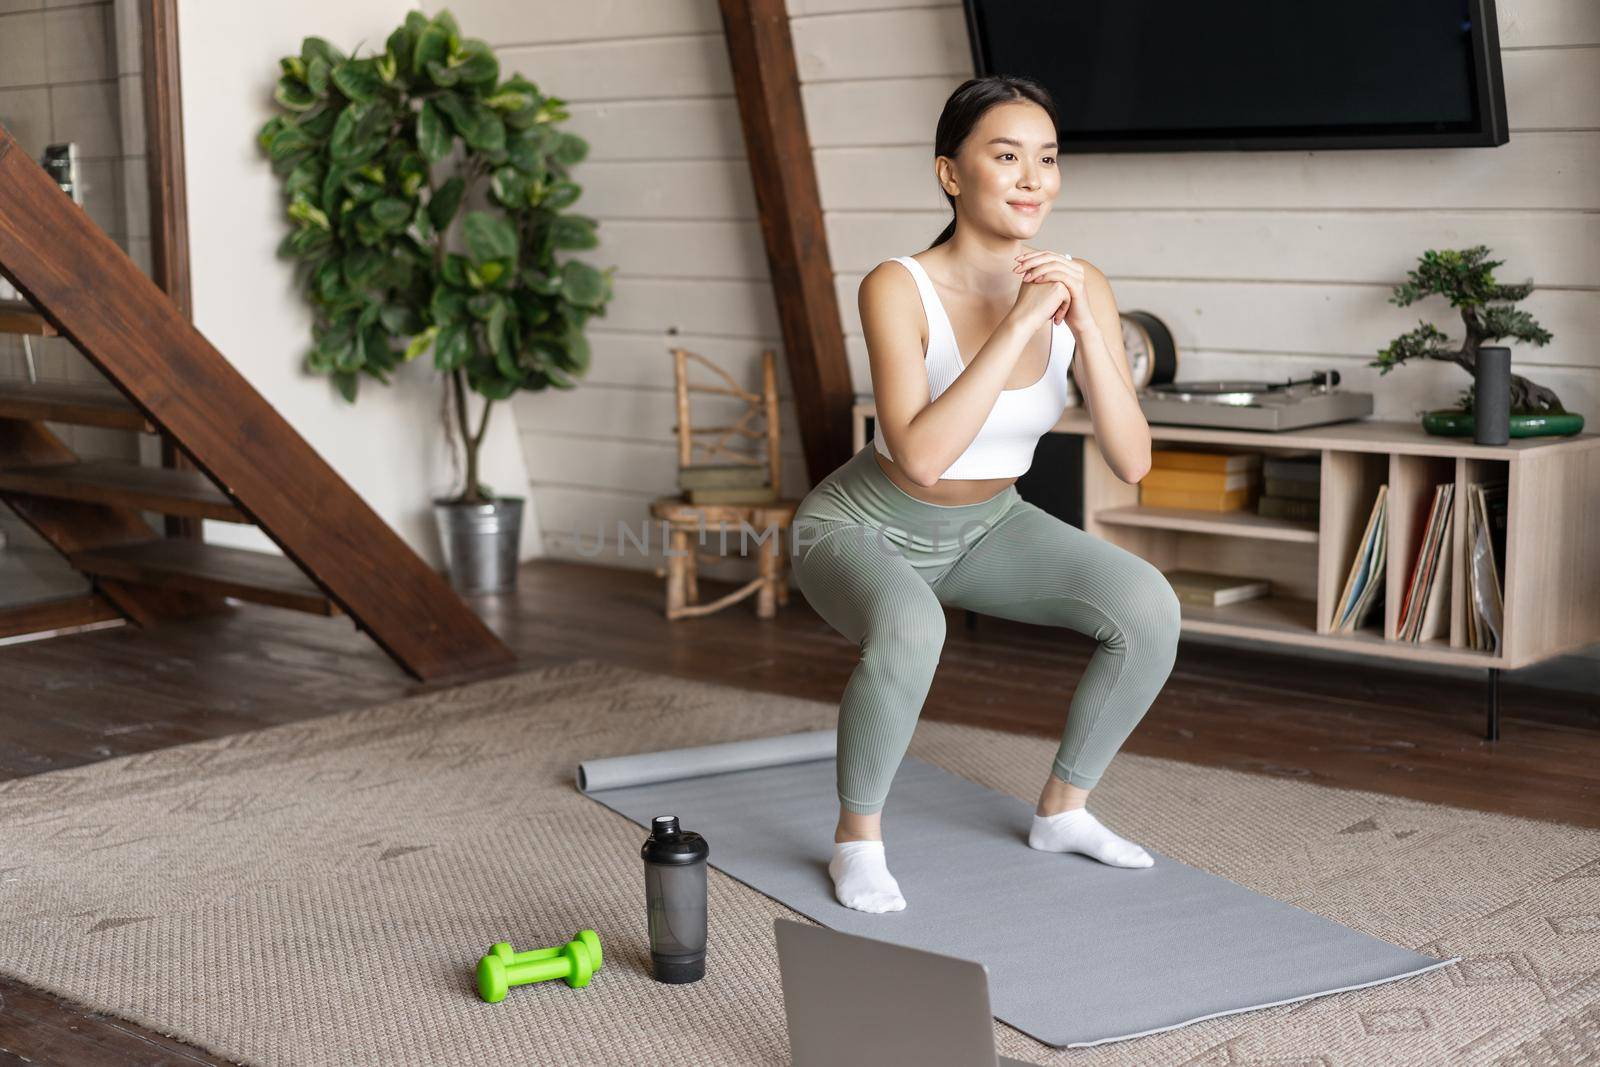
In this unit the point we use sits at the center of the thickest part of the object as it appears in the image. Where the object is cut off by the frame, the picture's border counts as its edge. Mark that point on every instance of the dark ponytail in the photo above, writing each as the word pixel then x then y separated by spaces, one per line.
pixel 971 99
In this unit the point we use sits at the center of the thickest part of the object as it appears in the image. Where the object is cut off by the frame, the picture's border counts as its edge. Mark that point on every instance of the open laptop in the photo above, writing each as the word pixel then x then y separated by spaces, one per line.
pixel 858 1001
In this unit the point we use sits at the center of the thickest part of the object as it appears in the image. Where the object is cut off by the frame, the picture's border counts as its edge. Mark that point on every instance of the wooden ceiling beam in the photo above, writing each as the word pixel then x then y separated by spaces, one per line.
pixel 767 83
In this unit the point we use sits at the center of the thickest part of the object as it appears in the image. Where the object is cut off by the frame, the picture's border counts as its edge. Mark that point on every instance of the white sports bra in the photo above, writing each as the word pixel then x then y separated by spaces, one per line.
pixel 1006 440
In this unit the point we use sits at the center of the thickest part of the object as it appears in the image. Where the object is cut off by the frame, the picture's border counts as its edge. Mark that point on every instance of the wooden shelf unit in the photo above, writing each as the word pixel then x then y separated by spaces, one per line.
pixel 1551 580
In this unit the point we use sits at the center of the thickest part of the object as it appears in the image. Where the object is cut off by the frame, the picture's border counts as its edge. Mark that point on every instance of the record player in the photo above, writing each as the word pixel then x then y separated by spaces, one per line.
pixel 1254 405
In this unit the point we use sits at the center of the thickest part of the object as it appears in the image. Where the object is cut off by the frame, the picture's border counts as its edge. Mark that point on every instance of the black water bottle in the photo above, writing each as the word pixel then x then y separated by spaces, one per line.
pixel 675 900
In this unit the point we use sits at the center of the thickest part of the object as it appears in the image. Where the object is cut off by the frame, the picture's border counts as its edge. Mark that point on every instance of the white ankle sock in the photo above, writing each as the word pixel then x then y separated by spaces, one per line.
pixel 1075 830
pixel 861 878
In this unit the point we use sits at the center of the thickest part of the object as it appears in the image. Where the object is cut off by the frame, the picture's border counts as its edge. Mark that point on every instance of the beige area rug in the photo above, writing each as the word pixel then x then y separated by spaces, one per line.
pixel 319 893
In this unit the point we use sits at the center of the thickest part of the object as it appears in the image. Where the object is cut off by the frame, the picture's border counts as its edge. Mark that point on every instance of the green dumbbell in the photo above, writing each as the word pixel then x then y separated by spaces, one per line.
pixel 509 955
pixel 503 967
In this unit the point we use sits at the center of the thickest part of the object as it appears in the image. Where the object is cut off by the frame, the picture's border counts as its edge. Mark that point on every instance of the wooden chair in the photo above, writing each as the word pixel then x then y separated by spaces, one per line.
pixel 723 500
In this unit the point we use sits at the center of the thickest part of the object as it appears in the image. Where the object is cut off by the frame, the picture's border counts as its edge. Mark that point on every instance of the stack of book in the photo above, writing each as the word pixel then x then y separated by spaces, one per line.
pixel 1208 589
pixel 1207 481
pixel 726 483
pixel 1485 563
pixel 1291 486
pixel 1363 586
pixel 1422 611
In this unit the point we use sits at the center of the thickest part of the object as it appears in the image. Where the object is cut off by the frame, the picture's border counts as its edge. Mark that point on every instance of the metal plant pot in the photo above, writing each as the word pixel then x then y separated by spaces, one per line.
pixel 480 543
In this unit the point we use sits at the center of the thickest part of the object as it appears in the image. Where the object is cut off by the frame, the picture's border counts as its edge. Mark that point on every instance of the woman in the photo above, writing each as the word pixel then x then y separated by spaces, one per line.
pixel 969 345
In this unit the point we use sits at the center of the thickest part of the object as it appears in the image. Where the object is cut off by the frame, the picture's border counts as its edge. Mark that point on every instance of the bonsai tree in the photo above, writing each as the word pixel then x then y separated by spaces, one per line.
pixel 1466 279
pixel 361 145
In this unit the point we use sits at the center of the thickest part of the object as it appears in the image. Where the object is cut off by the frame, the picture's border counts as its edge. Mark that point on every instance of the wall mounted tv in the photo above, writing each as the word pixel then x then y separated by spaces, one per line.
pixel 1169 75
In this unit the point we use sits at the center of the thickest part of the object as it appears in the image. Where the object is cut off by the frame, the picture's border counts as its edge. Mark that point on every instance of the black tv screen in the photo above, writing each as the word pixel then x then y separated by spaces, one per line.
pixel 1165 75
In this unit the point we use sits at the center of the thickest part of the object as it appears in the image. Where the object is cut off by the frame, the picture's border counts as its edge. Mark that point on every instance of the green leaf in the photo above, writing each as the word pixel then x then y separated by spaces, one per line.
pixel 488 131
pixel 491 271
pixel 476 64
pixel 288 141
pixel 313 48
pixel 361 266
pixel 454 108
pixel 453 347
pixel 432 136
pixel 306 179
pixel 294 94
pixel 510 186
pixel 269 130
pixel 442 74
pixel 330 282
pixel 433 46
pixel 489 237
pixel 571 149
pixel 358 80
pixel 391 213
pixel 413 173
pixel 574 232
pixel 401 44
pixel 560 195
pixel 581 284
pixel 420 343
pixel 447 306
pixel 347 384
pixel 455 270
pixel 525 151
pixel 482 305
pixel 317 75
pixel 400 319
pixel 344 147
pixel 442 208
pixel 304 211
pixel 499 317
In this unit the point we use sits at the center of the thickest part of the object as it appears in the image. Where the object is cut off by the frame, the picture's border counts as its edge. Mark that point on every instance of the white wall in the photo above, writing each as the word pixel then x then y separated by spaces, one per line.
pixel 390 445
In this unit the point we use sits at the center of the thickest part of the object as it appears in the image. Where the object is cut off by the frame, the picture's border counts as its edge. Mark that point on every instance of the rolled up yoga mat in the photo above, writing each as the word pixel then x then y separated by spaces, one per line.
pixel 1079 953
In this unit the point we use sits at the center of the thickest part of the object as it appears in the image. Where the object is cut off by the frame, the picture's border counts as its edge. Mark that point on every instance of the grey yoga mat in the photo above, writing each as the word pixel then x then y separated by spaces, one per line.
pixel 1079 953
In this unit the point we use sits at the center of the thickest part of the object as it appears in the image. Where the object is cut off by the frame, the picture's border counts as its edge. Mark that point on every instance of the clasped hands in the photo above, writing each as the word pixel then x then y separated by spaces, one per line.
pixel 1041 265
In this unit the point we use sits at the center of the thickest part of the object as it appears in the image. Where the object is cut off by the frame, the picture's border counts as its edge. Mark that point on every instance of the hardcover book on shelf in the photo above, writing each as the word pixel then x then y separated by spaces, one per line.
pixel 1277 507
pixel 1293 488
pixel 1212 590
pixel 1190 481
pixel 1299 467
pixel 1229 500
pixel 1195 459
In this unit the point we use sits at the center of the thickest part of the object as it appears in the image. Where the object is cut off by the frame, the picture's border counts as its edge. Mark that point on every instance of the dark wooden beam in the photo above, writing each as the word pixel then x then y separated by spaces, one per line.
pixel 169 201
pixel 767 83
pixel 43 616
pixel 99 299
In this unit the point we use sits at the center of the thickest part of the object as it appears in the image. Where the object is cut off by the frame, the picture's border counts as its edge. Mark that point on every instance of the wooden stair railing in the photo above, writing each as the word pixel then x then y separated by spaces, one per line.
pixel 340 557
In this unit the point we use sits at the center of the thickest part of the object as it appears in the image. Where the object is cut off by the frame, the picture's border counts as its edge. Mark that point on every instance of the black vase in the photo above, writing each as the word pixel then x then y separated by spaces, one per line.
pixel 1491 393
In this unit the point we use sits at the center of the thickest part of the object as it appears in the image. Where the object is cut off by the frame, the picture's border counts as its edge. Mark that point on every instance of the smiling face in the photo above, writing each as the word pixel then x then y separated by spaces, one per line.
pixel 1005 165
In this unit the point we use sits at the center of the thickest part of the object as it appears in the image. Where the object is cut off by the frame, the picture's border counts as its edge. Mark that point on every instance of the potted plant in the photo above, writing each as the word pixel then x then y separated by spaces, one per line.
pixel 1466 278
pixel 429 199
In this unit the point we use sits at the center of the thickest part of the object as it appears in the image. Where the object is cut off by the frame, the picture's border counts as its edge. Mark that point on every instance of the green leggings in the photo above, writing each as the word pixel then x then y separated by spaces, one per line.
pixel 880 566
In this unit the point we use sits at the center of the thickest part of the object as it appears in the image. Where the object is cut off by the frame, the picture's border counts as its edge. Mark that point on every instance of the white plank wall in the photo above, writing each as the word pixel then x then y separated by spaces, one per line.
pixel 1263 264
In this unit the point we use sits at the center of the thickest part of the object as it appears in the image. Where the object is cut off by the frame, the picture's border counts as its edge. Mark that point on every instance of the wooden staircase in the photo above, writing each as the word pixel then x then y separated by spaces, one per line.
pixel 340 557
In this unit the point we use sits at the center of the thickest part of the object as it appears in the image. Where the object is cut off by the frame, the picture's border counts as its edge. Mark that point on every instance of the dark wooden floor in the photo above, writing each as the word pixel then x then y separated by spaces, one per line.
pixel 92 696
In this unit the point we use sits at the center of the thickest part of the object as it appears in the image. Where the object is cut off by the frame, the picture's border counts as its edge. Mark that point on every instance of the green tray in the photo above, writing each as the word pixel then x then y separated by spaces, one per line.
pixel 1452 422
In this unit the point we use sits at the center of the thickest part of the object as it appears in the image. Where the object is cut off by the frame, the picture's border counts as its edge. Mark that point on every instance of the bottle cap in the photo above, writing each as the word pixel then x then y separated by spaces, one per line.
pixel 669 844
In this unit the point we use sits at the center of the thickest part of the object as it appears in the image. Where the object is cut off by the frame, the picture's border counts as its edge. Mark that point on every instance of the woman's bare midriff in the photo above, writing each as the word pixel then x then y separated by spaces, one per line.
pixel 946 491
